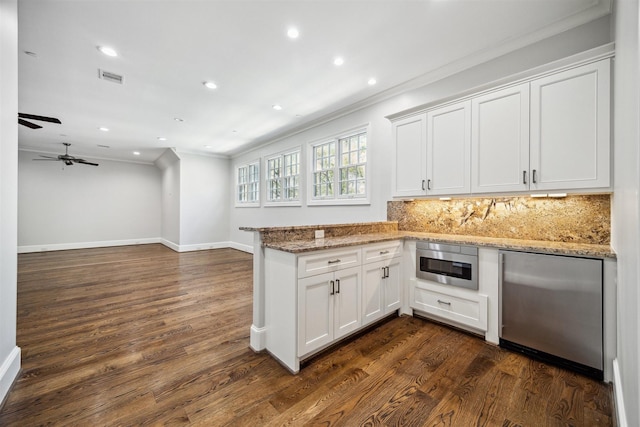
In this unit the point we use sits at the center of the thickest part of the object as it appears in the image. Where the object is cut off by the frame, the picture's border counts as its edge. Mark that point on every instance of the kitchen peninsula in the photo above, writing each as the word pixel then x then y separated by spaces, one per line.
pixel 369 270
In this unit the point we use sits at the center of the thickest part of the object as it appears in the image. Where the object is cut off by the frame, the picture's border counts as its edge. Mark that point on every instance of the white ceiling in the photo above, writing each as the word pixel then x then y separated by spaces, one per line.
pixel 167 49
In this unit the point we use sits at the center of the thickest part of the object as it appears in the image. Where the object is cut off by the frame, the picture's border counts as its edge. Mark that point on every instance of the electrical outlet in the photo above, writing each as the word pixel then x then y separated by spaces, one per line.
pixel 319 234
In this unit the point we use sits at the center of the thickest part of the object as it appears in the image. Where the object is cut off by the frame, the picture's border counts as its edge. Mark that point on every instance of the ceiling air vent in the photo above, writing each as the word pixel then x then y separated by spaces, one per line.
pixel 110 77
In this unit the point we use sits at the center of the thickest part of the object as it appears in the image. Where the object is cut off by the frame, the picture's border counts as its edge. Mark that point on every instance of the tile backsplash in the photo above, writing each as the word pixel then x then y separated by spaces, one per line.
pixel 575 219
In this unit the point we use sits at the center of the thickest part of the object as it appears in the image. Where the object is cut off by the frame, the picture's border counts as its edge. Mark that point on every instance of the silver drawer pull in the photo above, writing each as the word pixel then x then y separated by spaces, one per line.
pixel 443 302
pixel 333 261
pixel 384 252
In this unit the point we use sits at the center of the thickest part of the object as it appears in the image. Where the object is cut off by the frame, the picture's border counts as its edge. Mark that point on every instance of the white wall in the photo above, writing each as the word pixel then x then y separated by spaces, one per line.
pixel 9 352
pixel 63 207
pixel 588 36
pixel 169 163
pixel 204 207
pixel 625 209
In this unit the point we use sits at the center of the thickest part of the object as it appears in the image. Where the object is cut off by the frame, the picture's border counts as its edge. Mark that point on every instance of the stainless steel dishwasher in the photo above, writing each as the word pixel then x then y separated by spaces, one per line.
pixel 551 309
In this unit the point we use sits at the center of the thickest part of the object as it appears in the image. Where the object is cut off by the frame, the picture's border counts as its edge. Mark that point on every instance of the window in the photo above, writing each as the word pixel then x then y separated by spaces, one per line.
pixel 283 178
pixel 248 189
pixel 339 170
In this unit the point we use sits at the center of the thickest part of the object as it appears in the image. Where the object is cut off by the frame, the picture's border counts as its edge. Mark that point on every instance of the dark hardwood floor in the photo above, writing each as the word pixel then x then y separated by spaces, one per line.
pixel 142 335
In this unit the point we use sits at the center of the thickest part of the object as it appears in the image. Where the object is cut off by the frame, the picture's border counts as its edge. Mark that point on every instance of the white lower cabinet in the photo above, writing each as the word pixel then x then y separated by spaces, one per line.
pixel 328 308
pixel 381 290
pixel 313 300
pixel 450 304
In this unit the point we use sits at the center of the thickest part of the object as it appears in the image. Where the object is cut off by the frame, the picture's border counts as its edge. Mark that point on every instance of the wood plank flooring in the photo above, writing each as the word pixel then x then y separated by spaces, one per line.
pixel 142 335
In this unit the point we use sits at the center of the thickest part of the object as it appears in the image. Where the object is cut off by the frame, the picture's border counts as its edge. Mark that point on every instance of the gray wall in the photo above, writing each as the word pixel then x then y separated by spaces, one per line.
pixel 64 207
pixel 9 352
pixel 626 201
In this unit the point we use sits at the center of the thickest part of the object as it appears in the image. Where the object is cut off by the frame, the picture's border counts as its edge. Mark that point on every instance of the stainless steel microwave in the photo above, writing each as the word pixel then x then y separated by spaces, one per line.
pixel 453 265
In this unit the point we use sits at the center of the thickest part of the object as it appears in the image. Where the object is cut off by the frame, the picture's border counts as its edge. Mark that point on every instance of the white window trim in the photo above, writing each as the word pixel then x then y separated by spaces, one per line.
pixel 252 204
pixel 338 200
pixel 301 176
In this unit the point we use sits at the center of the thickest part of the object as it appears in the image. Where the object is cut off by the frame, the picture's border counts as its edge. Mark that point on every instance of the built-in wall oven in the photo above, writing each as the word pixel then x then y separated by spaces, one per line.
pixel 455 265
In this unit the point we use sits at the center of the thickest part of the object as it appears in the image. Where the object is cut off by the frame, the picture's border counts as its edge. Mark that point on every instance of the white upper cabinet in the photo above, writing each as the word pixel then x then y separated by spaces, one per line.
pixel 570 128
pixel 449 149
pixel 500 140
pixel 409 172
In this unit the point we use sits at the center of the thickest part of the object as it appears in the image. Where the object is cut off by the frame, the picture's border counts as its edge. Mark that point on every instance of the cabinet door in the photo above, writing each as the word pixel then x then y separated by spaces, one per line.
pixel 347 310
pixel 570 133
pixel 500 140
pixel 373 297
pixel 449 149
pixel 315 312
pixel 409 167
pixel 393 285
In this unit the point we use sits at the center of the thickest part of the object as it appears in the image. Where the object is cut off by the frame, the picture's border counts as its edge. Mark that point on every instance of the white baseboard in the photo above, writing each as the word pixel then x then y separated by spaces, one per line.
pixel 108 243
pixel 9 372
pixel 85 245
pixel 258 338
pixel 621 413
pixel 241 247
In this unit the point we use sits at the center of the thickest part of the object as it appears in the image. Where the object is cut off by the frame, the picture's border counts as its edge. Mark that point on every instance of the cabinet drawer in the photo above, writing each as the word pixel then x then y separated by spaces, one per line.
pixel 469 311
pixel 382 251
pixel 327 261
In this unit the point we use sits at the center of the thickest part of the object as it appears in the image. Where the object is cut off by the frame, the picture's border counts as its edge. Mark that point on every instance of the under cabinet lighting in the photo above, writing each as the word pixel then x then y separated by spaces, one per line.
pixel 445 199
pixel 558 195
pixel 537 196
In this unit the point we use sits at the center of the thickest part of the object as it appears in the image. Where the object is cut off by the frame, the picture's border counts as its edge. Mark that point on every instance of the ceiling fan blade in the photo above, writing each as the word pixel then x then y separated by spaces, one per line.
pixel 29 124
pixel 51 159
pixel 42 118
pixel 48 157
pixel 84 162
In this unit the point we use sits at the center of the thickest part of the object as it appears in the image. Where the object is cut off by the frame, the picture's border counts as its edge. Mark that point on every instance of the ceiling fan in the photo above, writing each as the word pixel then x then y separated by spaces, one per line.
pixel 67 159
pixel 22 116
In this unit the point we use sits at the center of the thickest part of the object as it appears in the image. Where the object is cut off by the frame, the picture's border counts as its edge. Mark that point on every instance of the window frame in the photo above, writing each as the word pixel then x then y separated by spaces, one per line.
pixel 337 198
pixel 249 203
pixel 282 156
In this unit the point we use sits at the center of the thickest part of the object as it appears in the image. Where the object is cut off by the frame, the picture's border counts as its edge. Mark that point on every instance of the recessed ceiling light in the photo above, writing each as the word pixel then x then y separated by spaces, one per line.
pixel 136 153
pixel 109 51
pixel 338 61
pixel 277 107
pixel 372 81
pixel 103 129
pixel 293 33
pixel 210 85
pixel 178 119
pixel 162 138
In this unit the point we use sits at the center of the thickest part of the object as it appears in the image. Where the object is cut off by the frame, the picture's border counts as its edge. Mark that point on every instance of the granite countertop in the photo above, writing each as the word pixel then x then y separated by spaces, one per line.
pixel 559 248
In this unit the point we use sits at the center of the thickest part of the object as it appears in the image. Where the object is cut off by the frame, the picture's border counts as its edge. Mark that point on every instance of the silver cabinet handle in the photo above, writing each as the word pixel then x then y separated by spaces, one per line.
pixel 444 302
pixel 524 177
pixel 428 184
pixel 333 261
pixel 333 287
pixel 533 176
pixel 384 252
pixel 384 272
pixel 338 282
pixel 387 272
pixel 423 185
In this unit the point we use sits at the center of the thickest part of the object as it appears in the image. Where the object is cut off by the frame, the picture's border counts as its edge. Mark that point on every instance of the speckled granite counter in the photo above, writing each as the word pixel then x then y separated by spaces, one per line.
pixel 387 233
